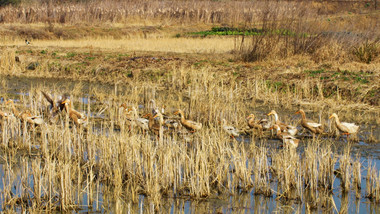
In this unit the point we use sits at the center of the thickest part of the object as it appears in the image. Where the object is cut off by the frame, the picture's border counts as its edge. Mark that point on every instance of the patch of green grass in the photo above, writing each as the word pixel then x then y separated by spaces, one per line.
pixel 361 80
pixel 107 57
pixel 357 77
pixel 371 93
pixel 200 63
pixel 226 31
pixel 70 55
pixel 257 67
pixel 275 85
pixel 121 57
pixel 314 73
pixel 235 73
pixel 90 58
pixel 345 75
pixel 43 52
pixel 222 63
pixel 223 31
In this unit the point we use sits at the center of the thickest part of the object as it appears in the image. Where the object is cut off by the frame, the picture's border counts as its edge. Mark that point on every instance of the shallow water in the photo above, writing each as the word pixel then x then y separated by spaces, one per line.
pixel 239 203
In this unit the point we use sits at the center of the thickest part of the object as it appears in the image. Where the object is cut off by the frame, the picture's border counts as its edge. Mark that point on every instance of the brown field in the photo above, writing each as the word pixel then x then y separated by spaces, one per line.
pixel 323 57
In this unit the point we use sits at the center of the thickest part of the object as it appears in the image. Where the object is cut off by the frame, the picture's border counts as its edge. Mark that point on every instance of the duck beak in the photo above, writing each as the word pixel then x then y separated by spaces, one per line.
pixel 270 113
pixel 331 116
pixel 155 116
pixel 297 112
pixel 177 112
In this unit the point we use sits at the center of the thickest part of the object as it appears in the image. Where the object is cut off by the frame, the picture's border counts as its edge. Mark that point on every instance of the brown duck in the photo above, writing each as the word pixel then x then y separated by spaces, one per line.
pixel 286 138
pixel 284 127
pixel 310 125
pixel 25 116
pixel 190 125
pixel 77 117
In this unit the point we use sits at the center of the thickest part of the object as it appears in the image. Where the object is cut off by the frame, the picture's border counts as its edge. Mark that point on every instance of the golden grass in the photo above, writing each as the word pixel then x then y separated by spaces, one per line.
pixel 115 160
pixel 127 163
pixel 175 45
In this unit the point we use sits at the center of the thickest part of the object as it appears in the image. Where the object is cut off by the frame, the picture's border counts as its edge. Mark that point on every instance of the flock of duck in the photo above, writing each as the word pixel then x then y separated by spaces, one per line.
pixel 157 122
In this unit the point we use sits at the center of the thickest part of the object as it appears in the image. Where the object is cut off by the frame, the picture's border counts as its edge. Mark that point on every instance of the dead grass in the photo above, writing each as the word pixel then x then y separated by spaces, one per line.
pixel 117 162
pixel 72 162
pixel 170 12
pixel 169 45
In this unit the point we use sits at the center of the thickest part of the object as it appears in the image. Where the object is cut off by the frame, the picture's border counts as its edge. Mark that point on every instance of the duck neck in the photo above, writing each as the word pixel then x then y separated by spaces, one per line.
pixel 153 103
pixel 67 107
pixel 151 121
pixel 182 117
pixel 337 121
pixel 251 120
pixel 275 117
pixel 14 110
pixel 135 112
pixel 161 119
pixel 303 115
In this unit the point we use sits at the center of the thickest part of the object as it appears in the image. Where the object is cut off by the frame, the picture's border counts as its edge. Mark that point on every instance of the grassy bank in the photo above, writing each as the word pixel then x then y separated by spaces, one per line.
pixel 288 82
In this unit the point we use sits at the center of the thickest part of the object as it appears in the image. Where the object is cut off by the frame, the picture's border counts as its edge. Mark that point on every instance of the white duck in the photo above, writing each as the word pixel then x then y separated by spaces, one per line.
pixel 232 131
pixel 346 128
pixel 292 130
pixel 143 123
pixel 286 138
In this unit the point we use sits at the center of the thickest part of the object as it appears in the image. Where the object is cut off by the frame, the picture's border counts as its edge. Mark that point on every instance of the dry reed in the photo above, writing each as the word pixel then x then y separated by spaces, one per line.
pixel 71 162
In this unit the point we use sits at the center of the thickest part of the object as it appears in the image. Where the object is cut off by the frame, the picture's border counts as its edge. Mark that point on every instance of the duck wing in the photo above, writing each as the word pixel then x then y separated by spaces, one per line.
pixel 49 99
pixel 35 120
pixel 352 128
pixel 314 124
pixel 143 123
pixel 194 124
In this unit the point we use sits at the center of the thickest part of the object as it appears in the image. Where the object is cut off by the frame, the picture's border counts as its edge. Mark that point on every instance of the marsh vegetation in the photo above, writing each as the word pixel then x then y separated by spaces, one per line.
pixel 218 61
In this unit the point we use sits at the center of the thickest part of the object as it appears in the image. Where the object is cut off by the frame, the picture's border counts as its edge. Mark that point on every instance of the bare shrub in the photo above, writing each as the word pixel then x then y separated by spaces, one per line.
pixel 366 51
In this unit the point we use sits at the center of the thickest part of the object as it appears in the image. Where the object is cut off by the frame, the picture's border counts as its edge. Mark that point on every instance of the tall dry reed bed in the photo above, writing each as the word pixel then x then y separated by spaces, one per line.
pixel 55 165
pixel 301 30
pixel 229 12
pixel 286 28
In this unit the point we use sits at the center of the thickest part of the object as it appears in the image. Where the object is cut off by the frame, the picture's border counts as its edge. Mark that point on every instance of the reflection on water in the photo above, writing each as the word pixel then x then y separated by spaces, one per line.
pixel 97 198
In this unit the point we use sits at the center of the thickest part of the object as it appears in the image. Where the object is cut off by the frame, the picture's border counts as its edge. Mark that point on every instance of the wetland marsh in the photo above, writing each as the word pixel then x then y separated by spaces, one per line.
pixel 209 173
pixel 216 61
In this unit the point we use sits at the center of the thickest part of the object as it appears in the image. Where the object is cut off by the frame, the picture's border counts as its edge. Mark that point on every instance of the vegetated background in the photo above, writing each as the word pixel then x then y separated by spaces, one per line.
pixel 323 37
